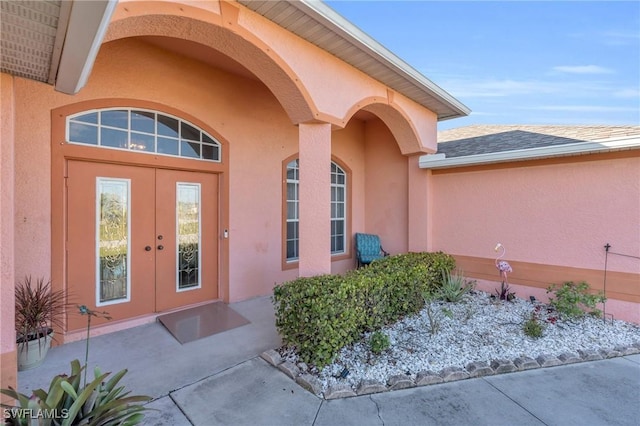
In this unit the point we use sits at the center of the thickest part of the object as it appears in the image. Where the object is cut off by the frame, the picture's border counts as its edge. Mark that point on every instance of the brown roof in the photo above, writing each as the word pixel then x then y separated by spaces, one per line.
pixel 485 139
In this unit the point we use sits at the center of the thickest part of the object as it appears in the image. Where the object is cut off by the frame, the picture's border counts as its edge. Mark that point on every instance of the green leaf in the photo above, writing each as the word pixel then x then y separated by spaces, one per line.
pixel 115 379
pixel 56 393
pixel 81 399
pixel 66 386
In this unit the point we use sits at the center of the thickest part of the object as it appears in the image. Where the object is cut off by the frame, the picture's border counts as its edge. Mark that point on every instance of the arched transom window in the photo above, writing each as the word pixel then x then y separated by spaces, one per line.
pixel 142 130
pixel 338 210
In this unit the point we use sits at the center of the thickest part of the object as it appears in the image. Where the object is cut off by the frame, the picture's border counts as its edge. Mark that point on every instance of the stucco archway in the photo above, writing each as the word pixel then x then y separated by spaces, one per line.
pixel 221 33
pixel 395 119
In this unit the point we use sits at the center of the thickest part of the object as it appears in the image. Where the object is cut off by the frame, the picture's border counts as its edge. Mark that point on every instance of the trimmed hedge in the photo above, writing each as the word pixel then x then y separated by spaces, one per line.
pixel 319 315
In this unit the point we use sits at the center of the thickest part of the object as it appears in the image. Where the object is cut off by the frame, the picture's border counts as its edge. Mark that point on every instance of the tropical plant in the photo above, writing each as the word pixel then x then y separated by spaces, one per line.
pixel 573 300
pixel 38 309
pixel 454 286
pixel 379 342
pixel 68 403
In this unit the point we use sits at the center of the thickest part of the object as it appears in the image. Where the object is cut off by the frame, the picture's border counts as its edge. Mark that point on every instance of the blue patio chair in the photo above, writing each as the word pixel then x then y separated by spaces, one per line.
pixel 368 249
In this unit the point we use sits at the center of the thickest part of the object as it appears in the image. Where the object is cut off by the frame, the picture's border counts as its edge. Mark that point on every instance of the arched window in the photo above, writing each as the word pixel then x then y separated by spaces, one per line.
pixel 338 210
pixel 143 131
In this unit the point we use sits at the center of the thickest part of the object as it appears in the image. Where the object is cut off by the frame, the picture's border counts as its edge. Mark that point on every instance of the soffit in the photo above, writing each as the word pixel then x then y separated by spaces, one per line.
pixel 28 37
pixel 322 26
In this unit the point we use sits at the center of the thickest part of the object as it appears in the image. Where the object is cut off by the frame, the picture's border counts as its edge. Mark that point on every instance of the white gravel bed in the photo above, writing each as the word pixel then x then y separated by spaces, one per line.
pixel 478 328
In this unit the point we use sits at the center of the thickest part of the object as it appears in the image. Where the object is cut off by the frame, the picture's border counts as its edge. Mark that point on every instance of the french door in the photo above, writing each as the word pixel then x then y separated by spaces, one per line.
pixel 139 240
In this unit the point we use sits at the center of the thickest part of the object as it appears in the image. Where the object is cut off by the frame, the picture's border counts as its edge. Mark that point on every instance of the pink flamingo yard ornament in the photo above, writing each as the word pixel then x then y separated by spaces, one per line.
pixel 502 265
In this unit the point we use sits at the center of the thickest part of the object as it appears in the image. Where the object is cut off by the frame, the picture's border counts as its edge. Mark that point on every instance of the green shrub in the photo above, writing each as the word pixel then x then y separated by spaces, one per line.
pixel 533 328
pixel 379 342
pixel 319 315
pixel 573 300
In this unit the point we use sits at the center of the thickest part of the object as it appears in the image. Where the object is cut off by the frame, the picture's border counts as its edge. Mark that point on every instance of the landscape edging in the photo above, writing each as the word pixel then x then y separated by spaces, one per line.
pixel 449 374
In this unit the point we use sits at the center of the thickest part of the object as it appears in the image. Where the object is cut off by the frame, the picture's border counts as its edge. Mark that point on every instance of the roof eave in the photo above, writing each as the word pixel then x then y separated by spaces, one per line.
pixel 324 14
pixel 85 29
pixel 436 161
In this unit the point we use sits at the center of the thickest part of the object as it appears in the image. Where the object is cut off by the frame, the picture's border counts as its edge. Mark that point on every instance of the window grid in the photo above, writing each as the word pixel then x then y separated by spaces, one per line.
pixel 338 210
pixel 293 221
pixel 144 131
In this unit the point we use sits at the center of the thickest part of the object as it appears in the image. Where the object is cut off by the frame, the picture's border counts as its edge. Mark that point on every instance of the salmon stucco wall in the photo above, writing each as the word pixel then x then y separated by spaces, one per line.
pixel 555 214
pixel 386 188
pixel 347 146
pixel 7 276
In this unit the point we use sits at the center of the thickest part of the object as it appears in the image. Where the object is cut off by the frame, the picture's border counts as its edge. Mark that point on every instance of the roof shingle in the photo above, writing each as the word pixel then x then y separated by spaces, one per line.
pixel 486 139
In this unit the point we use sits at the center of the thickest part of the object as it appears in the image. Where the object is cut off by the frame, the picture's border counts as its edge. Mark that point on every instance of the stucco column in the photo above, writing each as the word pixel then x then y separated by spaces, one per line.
pixel 8 363
pixel 315 199
pixel 419 238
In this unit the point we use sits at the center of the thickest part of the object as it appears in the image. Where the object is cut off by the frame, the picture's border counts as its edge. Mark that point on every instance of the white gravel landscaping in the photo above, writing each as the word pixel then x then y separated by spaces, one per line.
pixel 478 328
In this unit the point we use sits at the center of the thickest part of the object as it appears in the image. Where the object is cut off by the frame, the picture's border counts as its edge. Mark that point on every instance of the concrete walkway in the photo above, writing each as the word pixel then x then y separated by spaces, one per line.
pixel 221 380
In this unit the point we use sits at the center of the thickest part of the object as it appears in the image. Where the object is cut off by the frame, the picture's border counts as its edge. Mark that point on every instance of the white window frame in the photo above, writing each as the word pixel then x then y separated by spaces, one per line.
pixel 296 219
pixel 339 172
pixel 74 119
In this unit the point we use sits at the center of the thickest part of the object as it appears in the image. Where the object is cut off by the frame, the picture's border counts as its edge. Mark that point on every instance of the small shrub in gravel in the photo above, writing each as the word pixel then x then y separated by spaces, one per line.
pixel 573 300
pixel 505 292
pixel 533 327
pixel 454 287
pixel 379 342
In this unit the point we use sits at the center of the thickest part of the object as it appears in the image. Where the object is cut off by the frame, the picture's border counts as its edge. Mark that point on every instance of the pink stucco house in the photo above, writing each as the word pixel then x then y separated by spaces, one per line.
pixel 161 154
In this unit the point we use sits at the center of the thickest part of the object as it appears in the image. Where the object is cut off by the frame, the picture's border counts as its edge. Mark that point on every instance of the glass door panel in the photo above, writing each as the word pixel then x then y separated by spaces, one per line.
pixel 113 242
pixel 188 227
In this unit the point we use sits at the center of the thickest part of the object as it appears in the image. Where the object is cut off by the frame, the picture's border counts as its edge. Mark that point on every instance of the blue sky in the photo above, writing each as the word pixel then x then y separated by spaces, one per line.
pixel 517 62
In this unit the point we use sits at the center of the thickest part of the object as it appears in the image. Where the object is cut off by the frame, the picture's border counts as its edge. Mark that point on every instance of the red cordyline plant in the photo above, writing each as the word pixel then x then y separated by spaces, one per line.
pixel 38 309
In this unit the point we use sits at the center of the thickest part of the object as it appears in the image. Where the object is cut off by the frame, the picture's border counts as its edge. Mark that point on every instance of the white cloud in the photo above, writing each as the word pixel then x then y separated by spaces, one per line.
pixel 496 88
pixel 627 93
pixel 584 108
pixel 620 38
pixel 583 69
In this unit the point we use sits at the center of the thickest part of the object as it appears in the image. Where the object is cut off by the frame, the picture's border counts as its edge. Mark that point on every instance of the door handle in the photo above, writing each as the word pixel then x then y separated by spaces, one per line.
pixel 160 247
pixel 147 248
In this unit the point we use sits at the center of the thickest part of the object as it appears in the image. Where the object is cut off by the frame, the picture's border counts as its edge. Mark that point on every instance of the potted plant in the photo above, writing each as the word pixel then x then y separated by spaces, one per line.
pixel 38 310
